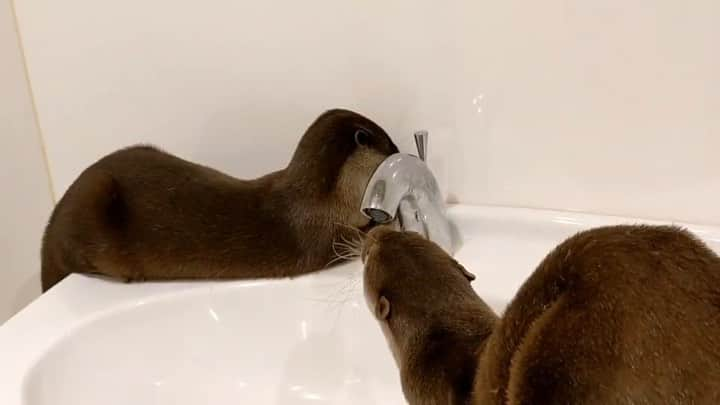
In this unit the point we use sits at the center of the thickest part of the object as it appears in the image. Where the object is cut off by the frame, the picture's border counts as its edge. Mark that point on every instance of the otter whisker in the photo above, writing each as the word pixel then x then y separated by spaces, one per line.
pixel 347 250
pixel 337 300
pixel 355 245
pixel 339 256
pixel 345 287
pixel 339 259
pixel 344 244
pixel 344 294
pixel 357 230
pixel 335 246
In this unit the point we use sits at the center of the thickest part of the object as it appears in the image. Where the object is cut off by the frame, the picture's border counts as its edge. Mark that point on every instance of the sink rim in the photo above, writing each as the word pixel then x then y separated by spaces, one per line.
pixel 30 334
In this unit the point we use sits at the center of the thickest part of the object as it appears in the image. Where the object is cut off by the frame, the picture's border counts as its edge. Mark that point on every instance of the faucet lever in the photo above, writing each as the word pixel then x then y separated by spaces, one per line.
pixel 421 142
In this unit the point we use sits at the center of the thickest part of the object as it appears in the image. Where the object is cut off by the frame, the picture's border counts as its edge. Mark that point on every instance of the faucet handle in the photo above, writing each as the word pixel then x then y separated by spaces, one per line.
pixel 421 142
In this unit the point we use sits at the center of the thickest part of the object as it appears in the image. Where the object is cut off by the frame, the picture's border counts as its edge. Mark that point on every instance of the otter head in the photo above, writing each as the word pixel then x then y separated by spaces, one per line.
pixel 335 159
pixel 410 281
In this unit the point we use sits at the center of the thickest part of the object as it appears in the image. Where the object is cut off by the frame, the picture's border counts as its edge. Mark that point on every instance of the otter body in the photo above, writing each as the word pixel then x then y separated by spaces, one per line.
pixel 143 214
pixel 614 315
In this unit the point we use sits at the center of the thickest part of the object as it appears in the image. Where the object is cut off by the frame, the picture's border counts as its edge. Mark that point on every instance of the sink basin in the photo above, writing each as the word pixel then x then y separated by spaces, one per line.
pixel 301 341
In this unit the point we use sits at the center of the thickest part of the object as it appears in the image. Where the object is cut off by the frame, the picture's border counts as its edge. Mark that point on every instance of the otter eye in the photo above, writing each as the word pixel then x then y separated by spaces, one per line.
pixel 362 137
pixel 382 309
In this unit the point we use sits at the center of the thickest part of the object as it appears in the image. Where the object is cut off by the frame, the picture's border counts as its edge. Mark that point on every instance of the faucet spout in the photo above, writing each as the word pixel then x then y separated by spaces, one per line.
pixel 404 185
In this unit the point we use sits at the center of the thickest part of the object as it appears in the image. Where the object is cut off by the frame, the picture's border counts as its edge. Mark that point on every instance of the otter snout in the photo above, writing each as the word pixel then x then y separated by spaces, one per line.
pixel 372 240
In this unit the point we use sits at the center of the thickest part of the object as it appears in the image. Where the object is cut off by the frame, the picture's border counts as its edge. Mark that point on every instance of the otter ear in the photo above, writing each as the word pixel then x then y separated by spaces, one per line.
pixel 362 137
pixel 469 276
pixel 382 309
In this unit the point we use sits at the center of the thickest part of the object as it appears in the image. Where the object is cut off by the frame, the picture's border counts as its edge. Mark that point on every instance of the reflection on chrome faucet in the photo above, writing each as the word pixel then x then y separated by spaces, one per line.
pixel 403 186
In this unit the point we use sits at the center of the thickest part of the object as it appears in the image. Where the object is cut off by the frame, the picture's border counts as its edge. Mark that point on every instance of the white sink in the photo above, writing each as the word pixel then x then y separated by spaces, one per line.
pixel 302 341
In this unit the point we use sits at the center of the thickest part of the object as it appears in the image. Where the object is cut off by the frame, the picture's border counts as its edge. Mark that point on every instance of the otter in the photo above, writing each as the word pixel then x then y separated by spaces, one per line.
pixel 625 314
pixel 144 214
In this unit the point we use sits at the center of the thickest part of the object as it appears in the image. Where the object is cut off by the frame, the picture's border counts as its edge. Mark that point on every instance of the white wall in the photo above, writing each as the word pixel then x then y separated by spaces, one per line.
pixel 609 106
pixel 25 198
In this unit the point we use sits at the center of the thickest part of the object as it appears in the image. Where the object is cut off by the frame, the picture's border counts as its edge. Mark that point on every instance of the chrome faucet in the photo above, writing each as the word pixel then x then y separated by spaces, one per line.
pixel 404 186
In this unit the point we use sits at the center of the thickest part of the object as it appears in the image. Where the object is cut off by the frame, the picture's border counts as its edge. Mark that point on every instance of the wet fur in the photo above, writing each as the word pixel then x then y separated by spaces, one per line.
pixel 143 214
pixel 614 315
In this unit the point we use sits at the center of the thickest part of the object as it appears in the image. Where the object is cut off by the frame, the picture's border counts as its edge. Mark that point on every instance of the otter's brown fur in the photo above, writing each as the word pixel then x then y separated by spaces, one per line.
pixel 613 315
pixel 143 214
